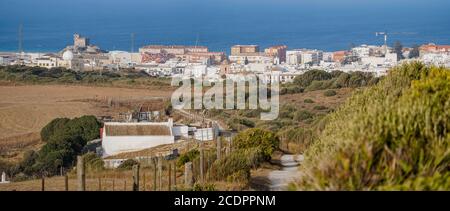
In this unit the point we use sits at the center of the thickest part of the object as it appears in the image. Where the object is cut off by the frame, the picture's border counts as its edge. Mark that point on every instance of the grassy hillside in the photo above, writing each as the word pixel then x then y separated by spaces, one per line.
pixel 391 136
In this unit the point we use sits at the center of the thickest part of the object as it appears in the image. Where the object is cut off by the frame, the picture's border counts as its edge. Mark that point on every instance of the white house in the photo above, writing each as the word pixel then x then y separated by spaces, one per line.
pixel 118 137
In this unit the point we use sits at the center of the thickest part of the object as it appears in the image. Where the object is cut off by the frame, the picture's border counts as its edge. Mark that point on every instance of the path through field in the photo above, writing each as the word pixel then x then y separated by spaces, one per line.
pixel 280 179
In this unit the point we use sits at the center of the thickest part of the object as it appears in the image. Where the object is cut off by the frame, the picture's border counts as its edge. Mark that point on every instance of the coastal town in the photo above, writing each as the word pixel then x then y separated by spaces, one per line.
pixel 287 61
pixel 146 132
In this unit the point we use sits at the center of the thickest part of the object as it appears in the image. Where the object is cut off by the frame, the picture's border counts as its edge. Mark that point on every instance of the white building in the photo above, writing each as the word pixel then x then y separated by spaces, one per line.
pixel 293 57
pixel 125 59
pixel 438 59
pixel 118 137
pixel 388 61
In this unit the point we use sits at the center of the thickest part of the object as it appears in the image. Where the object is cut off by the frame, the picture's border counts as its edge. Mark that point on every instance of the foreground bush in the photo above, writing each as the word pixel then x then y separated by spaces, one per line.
pixel 267 141
pixel 393 136
pixel 237 164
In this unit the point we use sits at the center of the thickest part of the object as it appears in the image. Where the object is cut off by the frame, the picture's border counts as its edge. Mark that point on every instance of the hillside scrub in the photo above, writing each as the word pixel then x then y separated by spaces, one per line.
pixel 392 136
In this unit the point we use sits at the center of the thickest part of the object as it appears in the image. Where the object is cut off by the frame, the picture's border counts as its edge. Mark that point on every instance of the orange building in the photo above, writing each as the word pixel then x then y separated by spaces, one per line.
pixel 244 49
pixel 339 56
pixel 433 48
pixel 277 51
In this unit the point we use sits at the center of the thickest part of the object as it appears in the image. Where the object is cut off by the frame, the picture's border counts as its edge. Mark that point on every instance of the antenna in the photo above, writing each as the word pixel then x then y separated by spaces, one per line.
pixel 20 38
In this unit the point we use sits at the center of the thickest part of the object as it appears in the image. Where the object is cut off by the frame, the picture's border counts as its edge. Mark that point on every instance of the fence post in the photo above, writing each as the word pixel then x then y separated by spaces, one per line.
pixel 81 174
pixel 99 184
pixel 202 163
pixel 188 177
pixel 143 182
pixel 66 182
pixel 113 185
pixel 43 183
pixel 154 174
pixel 136 177
pixel 170 177
pixel 174 175
pixel 159 173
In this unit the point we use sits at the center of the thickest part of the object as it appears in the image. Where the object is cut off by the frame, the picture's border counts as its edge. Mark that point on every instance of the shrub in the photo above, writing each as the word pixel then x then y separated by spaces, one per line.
pixel 239 160
pixel 329 93
pixel 240 176
pixel 308 77
pixel 392 136
pixel 128 164
pixel 266 140
pixel 320 107
pixel 188 157
pixel 303 115
pixel 287 111
pixel 204 187
pixel 308 101
pixel 93 162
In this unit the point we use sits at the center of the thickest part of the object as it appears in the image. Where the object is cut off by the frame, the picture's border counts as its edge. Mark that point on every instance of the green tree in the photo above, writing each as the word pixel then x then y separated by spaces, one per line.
pixel 55 125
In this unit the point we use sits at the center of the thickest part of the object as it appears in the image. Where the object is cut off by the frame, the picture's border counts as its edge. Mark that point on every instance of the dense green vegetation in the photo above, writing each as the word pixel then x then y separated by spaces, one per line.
pixel 40 75
pixel 64 140
pixel 266 141
pixel 251 148
pixel 320 80
pixel 392 136
pixel 236 166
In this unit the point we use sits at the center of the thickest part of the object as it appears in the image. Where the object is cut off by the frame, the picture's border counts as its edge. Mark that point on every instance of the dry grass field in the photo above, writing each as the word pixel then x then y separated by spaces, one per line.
pixel 318 98
pixel 24 110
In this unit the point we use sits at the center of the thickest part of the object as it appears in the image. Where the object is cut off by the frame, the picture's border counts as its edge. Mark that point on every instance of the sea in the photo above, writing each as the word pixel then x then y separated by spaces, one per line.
pixel 330 25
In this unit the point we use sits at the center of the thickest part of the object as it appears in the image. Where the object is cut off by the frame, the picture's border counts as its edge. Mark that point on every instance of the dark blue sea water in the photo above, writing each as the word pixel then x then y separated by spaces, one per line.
pixel 48 25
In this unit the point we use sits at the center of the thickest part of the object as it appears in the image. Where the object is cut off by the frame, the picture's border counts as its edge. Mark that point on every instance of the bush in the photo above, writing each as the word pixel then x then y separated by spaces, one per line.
pixel 205 187
pixel 303 115
pixel 308 77
pixel 128 164
pixel 392 136
pixel 188 157
pixel 320 107
pixel 329 93
pixel 93 162
pixel 251 138
pixel 308 101
pixel 287 111
pixel 233 165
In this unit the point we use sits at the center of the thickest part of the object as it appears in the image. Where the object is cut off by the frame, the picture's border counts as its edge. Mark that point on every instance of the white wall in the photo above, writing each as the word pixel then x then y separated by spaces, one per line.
pixel 206 134
pixel 113 145
pixel 182 131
